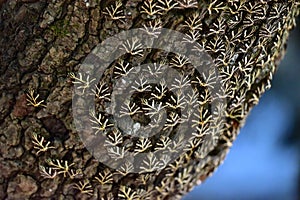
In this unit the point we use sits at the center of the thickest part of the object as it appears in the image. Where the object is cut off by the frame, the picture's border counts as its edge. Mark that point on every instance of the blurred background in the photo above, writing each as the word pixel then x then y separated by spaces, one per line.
pixel 264 162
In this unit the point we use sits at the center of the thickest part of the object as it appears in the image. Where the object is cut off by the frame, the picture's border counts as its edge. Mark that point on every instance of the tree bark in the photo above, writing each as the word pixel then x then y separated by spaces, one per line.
pixel 41 42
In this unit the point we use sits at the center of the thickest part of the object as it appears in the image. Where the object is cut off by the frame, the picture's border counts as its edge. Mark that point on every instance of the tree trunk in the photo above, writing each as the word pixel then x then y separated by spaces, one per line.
pixel 43 42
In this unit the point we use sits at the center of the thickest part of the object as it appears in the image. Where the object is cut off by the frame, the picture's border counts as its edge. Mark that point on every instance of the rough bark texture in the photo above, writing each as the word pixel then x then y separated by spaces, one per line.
pixel 41 42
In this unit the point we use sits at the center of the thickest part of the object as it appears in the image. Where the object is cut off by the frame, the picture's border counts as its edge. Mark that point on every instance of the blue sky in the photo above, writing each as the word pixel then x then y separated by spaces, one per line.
pixel 258 165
